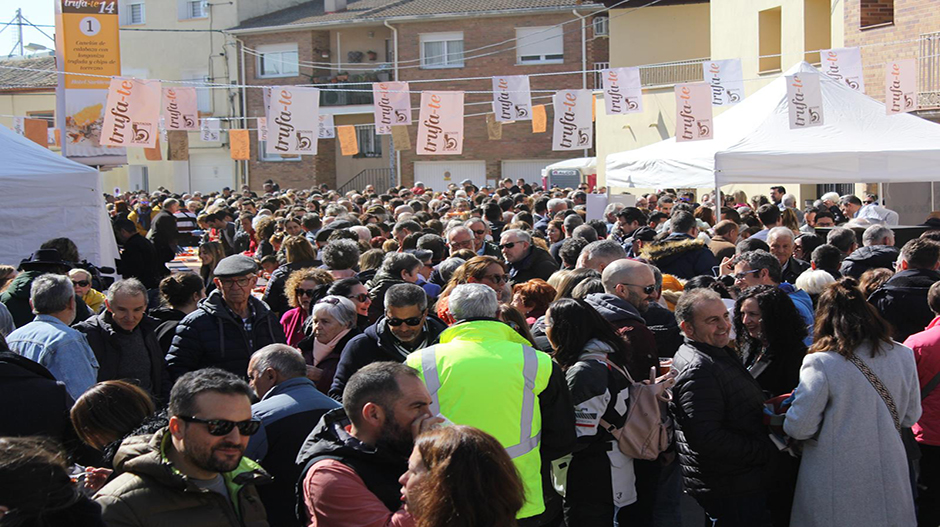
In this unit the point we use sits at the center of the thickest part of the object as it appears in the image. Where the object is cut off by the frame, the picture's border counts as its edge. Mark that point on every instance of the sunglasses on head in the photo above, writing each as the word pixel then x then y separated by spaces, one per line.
pixel 81 283
pixel 307 292
pixel 412 321
pixel 221 427
pixel 328 300
pixel 361 297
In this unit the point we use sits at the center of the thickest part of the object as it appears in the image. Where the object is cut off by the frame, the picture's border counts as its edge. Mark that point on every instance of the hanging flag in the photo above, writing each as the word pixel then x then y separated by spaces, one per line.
pixel 726 79
pixel 239 143
pixel 623 91
pixel 804 99
pixel 180 109
pixel 693 112
pixel 155 153
pixel 901 86
pixel 37 131
pixel 440 123
pixel 593 108
pixel 512 98
pixel 844 64
pixel 262 128
pixel 401 138
pixel 325 127
pixel 348 142
pixel 58 137
pixel 177 145
pixel 211 130
pixel 293 117
pixel 539 120
pixel 392 106
pixel 19 125
pixel 573 129
pixel 494 128
pixel 53 137
pixel 131 113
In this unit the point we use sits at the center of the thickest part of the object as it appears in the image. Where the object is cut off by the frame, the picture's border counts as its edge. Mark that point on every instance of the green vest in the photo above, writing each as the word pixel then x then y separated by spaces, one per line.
pixel 483 374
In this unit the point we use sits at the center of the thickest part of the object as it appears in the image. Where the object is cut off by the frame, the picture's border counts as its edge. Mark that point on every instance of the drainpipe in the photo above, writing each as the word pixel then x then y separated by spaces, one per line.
pixel 395 154
pixel 241 81
pixel 583 57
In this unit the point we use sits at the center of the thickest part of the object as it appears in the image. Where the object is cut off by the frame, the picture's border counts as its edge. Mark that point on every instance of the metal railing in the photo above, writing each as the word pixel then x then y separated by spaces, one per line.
pixel 663 74
pixel 380 178
pixel 598 78
pixel 928 66
pixel 347 98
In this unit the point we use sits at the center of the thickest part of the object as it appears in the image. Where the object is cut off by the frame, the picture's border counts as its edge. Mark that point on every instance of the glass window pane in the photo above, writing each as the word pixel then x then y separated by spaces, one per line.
pixel 455 52
pixel 433 53
pixel 289 64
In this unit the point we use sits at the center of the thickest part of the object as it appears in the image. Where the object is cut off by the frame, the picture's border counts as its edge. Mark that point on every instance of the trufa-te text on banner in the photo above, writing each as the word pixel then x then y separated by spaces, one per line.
pixel 440 123
pixel 693 112
pixel 132 113
pixel 573 128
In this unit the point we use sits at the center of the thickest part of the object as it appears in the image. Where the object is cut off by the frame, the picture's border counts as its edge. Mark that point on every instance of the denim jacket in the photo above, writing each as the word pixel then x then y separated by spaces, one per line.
pixel 62 350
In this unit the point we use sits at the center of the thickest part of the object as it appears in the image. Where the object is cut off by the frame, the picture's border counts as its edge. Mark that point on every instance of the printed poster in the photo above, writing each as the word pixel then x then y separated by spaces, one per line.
pixel 239 144
pixel 440 124
pixel 512 98
pixel 293 121
pixel 262 128
pixel 348 141
pixel 132 113
pixel 180 109
pixel 391 106
pixel 844 64
pixel 573 128
pixel 623 92
pixel 326 127
pixel 693 112
pixel 804 99
pixel 726 79
pixel 901 86
pixel 211 130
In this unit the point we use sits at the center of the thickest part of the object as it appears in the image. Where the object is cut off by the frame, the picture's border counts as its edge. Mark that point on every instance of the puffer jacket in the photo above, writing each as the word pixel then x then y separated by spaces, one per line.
pixel 663 324
pixel 681 256
pixel 902 301
pixel 869 257
pixel 628 322
pixel 538 264
pixel 718 407
pixel 211 336
pixel 148 490
pixel 375 344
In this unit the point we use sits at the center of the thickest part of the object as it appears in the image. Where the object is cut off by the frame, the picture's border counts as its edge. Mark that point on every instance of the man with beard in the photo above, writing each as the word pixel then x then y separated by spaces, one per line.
pixel 353 458
pixel 191 472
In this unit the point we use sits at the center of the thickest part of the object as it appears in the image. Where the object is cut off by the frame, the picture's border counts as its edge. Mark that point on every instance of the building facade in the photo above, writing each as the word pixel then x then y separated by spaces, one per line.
pixel 425 44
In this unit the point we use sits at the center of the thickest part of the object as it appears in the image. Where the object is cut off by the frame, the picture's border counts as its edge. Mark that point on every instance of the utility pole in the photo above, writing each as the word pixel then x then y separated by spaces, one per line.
pixel 19 30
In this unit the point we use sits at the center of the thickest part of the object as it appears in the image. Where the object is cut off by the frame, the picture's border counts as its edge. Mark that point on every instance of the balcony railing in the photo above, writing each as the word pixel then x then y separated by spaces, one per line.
pixel 663 74
pixel 346 98
pixel 928 65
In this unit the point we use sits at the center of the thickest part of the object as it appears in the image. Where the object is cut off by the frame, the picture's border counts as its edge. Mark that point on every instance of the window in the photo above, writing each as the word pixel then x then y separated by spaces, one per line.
pixel 189 9
pixel 203 95
pixel 48 116
pixel 135 13
pixel 370 145
pixel 279 60
pixel 264 156
pixel 817 30
pixel 442 50
pixel 769 40
pixel 601 26
pixel 539 45
pixel 876 13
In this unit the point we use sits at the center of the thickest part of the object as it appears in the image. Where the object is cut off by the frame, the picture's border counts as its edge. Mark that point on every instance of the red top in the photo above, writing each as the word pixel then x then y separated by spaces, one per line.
pixel 335 495
pixel 926 346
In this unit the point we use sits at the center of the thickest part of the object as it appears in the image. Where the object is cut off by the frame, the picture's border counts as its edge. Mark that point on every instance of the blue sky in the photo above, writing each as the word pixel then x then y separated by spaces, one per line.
pixel 39 12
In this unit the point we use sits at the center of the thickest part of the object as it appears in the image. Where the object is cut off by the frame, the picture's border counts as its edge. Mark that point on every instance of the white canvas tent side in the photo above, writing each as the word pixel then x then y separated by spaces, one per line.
pixel 587 165
pixel 44 195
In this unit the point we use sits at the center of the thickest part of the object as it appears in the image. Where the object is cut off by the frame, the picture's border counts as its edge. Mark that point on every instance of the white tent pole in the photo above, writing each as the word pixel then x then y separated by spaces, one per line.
pixel 717 199
pixel 881 194
pixel 933 205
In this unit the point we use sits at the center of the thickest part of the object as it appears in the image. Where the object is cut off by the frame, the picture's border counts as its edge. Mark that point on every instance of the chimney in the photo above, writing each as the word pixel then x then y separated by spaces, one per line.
pixel 334 6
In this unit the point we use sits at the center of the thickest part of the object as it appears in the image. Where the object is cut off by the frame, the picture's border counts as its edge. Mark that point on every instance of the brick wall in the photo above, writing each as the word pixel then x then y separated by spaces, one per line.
pixel 874 12
pixel 912 18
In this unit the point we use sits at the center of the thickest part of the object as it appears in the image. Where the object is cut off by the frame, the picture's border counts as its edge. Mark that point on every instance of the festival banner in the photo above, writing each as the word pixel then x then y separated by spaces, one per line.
pixel 573 129
pixel 240 144
pixel 623 91
pixel 177 145
pixel 845 65
pixel 155 153
pixel 348 141
pixel 901 86
pixel 37 131
pixel 494 128
pixel 293 121
pixel 392 106
pixel 180 109
pixel 539 119
pixel 512 98
pixel 804 98
pixel 19 125
pixel 440 123
pixel 262 128
pixel 401 138
pixel 211 130
pixel 726 79
pixel 326 126
pixel 693 112
pixel 52 138
pixel 87 44
pixel 131 113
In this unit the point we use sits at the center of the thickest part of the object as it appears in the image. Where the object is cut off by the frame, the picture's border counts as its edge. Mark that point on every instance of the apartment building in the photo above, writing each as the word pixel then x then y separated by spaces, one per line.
pixel 28 93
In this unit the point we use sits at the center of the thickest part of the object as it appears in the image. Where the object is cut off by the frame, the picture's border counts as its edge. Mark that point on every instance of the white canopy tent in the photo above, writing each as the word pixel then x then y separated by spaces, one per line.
pixel 44 195
pixel 587 165
pixel 858 143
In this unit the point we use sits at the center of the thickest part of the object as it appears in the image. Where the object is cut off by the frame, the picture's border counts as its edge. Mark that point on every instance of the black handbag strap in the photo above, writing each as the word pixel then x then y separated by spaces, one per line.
pixel 930 386
pixel 880 388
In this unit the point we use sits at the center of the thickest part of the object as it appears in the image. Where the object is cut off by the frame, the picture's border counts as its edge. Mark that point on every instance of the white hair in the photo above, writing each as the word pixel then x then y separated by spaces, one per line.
pixel 340 308
pixel 779 231
pixel 814 281
pixel 468 301
pixel 830 196
pixel 788 200
pixel 362 231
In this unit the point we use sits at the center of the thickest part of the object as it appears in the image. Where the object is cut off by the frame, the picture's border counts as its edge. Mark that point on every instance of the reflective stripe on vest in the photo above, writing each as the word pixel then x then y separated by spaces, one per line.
pixel 530 370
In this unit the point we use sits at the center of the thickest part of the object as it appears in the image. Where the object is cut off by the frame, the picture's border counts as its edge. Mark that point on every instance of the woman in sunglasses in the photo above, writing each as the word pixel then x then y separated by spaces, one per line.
pixel 485 270
pixel 353 289
pixel 332 326
pixel 302 288
pixel 81 279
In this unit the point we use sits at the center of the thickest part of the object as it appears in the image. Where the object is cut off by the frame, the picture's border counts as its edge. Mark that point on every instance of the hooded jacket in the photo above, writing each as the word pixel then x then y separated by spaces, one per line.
pixel 168 319
pixel 628 322
pixel 211 336
pixel 538 264
pixel 375 480
pixel 680 255
pixel 869 257
pixel 902 301
pixel 148 490
pixel 375 344
pixel 662 323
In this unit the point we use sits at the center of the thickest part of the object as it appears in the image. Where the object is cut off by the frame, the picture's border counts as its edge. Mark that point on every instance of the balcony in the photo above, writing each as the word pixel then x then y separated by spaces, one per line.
pixel 346 98
pixel 928 72
pixel 662 74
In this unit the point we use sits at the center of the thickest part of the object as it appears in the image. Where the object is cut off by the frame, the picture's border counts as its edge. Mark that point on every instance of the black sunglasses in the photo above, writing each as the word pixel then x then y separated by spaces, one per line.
pixel 308 292
pixel 361 297
pixel 413 321
pixel 509 245
pixel 647 289
pixel 81 283
pixel 221 427
pixel 479 233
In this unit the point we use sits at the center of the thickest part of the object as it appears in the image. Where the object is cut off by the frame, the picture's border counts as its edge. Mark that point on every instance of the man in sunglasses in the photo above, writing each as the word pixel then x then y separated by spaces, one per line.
pixel 228 326
pixel 525 260
pixel 480 229
pixel 193 471
pixel 405 328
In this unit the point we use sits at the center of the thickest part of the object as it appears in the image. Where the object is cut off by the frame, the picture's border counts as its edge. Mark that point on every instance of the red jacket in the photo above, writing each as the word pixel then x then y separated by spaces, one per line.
pixel 926 346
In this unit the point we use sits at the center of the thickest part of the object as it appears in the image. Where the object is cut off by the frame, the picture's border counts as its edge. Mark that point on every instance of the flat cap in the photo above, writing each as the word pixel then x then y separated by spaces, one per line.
pixel 235 265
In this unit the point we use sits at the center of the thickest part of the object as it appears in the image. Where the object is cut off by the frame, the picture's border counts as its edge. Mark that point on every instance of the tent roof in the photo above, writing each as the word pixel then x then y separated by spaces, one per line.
pixel 585 164
pixel 754 144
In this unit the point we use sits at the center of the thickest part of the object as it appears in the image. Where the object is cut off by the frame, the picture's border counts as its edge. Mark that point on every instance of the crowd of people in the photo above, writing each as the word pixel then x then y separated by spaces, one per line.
pixel 478 357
